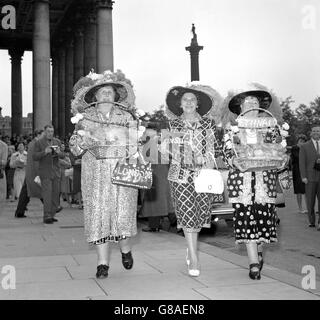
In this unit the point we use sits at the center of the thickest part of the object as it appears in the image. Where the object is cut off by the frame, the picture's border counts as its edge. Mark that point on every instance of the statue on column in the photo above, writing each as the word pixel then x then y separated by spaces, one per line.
pixel 194 39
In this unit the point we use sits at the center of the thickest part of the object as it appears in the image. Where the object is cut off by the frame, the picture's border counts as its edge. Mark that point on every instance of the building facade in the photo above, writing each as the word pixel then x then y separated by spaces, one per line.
pixel 5 125
pixel 74 36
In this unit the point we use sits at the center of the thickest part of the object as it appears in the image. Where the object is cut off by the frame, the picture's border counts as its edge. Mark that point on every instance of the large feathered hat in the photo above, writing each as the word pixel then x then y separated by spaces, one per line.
pixel 208 99
pixel 85 89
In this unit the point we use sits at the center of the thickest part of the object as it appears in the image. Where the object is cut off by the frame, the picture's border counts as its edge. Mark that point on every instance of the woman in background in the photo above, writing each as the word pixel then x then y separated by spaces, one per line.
pixel 19 161
pixel 298 185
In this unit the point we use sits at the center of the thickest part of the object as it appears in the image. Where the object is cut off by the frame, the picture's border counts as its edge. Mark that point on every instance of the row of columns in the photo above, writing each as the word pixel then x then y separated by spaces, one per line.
pixel 74 54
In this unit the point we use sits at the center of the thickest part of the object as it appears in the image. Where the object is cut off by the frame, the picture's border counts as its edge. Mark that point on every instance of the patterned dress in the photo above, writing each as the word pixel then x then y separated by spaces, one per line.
pixel 109 210
pixel 253 196
pixel 192 209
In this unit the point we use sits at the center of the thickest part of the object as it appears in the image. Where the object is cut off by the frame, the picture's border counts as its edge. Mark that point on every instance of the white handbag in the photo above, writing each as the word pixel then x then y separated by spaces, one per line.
pixel 209 181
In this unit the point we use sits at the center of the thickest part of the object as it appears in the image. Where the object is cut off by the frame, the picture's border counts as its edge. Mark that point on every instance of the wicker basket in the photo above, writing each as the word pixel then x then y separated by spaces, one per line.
pixel 113 151
pixel 254 153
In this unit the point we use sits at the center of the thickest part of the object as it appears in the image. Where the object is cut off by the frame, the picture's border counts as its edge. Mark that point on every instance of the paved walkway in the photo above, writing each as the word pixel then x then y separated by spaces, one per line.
pixel 55 262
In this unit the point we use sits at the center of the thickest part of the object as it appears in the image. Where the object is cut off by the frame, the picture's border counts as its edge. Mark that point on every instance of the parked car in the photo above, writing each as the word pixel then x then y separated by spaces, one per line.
pixel 221 209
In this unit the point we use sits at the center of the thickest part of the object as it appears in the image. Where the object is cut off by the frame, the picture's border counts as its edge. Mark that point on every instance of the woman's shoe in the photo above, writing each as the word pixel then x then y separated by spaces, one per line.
pixel 254 275
pixel 260 260
pixel 191 272
pixel 127 260
pixel 102 271
pixel 194 272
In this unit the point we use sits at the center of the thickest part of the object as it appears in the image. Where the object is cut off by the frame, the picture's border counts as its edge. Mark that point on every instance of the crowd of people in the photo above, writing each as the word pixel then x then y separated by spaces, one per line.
pixel 81 170
pixel 21 178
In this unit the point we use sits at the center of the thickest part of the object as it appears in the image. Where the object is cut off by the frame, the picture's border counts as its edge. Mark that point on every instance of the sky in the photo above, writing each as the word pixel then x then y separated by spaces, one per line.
pixel 273 42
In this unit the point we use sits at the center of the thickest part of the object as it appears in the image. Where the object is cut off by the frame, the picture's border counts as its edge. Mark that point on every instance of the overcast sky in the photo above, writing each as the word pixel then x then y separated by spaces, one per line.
pixel 273 42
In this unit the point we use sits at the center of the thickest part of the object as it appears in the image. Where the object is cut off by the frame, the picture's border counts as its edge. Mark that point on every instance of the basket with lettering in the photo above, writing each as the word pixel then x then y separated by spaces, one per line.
pixel 255 144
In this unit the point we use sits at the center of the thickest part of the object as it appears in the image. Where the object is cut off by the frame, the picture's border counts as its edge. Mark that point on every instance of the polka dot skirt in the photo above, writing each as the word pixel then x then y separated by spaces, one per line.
pixel 256 222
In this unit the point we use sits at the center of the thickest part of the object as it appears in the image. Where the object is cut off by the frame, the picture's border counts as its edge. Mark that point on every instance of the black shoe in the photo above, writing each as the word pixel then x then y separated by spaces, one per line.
pixel 23 216
pixel 59 209
pixel 127 260
pixel 48 221
pixel 311 225
pixel 102 271
pixel 54 220
pixel 148 229
pixel 260 260
pixel 254 275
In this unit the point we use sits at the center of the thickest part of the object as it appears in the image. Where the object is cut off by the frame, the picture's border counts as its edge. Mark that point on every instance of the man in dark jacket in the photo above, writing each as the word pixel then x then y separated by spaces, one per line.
pixel 309 164
pixel 47 152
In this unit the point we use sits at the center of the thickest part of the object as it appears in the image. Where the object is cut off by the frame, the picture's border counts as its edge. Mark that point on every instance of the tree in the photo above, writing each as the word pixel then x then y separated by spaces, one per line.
pixel 289 117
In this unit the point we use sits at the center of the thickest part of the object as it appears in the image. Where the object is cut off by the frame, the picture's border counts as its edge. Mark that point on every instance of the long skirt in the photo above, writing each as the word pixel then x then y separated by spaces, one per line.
pixel 192 209
pixel 110 211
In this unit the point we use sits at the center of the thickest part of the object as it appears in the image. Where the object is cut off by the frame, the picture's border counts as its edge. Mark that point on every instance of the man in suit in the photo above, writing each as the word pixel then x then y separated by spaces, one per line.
pixel 47 152
pixel 309 164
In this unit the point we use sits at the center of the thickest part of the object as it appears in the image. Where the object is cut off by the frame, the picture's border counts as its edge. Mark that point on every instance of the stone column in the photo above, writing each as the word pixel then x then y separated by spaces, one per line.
pixel 62 91
pixel 68 86
pixel 41 64
pixel 104 35
pixel 78 55
pixel 90 41
pixel 16 90
pixel 55 90
pixel 194 50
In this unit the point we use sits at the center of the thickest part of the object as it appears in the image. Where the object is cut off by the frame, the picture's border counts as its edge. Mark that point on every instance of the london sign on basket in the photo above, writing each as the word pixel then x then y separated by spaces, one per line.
pixel 255 147
pixel 135 175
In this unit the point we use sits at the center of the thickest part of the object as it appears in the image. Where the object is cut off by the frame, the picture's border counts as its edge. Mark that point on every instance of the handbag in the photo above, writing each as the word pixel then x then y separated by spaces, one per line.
pixel 284 179
pixel 135 174
pixel 209 181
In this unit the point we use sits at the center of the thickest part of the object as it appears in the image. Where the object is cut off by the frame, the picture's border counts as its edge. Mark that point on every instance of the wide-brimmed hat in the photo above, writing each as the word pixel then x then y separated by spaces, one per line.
pixel 205 96
pixel 264 98
pixel 119 89
pixel 86 88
